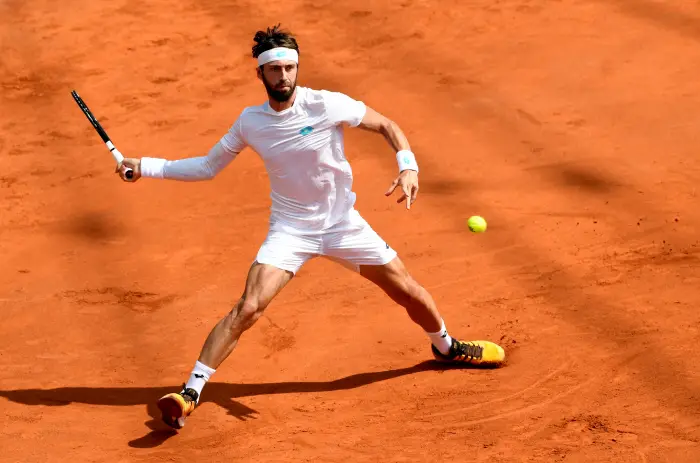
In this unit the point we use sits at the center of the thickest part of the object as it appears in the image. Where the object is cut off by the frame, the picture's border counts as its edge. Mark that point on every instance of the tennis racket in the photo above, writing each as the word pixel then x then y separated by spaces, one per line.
pixel 128 173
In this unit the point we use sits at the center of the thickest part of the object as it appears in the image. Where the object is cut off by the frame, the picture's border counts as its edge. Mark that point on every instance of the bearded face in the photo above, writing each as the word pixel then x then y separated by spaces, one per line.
pixel 280 79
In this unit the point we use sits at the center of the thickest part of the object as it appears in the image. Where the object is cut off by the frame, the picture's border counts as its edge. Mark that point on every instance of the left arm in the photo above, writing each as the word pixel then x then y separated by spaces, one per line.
pixel 408 168
pixel 375 122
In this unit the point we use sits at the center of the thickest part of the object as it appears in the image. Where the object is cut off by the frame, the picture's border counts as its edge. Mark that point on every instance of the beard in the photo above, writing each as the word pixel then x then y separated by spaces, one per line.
pixel 276 93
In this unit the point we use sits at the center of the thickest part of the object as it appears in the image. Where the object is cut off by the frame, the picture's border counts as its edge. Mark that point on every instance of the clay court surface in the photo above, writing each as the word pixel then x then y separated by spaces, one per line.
pixel 571 126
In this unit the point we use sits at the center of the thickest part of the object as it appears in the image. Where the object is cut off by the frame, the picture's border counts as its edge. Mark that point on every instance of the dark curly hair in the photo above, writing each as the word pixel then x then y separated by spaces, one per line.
pixel 272 38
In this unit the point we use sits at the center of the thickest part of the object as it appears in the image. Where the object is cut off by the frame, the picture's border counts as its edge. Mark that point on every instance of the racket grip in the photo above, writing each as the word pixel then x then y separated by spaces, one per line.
pixel 115 152
pixel 128 172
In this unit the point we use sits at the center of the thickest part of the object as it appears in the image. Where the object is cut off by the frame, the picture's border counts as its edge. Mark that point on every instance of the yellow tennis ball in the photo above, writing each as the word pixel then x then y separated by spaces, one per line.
pixel 476 224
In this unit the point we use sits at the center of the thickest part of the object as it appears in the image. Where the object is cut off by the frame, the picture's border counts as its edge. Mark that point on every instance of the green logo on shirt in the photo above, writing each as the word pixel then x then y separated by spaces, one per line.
pixel 306 130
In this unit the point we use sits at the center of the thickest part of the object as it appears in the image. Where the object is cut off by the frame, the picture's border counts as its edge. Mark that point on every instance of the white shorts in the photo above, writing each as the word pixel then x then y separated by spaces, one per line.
pixel 352 243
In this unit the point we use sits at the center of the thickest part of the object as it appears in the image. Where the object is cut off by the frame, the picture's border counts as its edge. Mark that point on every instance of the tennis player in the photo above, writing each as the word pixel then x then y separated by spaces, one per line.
pixel 298 133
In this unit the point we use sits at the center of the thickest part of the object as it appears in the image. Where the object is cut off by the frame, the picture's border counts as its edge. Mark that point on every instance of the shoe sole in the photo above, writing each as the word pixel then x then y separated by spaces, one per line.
pixel 172 412
pixel 481 364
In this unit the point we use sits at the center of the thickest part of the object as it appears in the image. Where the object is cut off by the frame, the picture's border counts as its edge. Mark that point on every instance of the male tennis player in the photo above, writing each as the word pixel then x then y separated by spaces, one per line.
pixel 298 133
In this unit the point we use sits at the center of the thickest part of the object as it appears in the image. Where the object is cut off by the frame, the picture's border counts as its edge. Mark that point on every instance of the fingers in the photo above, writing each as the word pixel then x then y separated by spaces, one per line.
pixel 129 164
pixel 409 190
pixel 415 194
pixel 393 186
pixel 407 195
pixel 122 169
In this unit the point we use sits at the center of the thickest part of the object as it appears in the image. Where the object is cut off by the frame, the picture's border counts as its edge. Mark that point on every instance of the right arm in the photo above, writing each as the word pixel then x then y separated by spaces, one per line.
pixel 189 169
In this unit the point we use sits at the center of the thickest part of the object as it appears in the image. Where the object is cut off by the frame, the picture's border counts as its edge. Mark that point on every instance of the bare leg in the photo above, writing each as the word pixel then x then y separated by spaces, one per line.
pixel 264 282
pixel 396 282
pixel 394 279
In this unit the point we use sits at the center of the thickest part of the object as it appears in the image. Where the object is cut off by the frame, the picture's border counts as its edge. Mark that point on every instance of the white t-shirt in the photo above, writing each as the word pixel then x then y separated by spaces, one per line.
pixel 303 152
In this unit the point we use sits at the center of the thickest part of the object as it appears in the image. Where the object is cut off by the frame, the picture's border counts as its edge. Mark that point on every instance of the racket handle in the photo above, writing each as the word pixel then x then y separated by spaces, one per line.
pixel 128 172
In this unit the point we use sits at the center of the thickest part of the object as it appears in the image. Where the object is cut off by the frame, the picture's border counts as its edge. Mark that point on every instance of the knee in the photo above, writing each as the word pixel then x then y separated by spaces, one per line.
pixel 248 311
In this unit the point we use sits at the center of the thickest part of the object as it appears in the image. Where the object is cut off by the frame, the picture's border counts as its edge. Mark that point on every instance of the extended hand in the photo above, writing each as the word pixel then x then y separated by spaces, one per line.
pixel 408 181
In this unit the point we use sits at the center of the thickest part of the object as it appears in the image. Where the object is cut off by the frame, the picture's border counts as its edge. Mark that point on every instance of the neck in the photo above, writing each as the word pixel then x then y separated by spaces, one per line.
pixel 282 105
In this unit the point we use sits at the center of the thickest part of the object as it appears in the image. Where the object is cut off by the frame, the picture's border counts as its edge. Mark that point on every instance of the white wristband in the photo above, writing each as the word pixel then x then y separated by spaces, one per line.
pixel 406 160
pixel 152 167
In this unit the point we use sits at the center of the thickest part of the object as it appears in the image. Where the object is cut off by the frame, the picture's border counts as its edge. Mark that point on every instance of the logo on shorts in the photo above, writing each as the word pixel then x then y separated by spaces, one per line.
pixel 306 130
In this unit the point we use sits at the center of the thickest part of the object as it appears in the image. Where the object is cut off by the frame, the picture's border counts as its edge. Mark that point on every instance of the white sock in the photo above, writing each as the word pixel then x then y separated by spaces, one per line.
pixel 199 377
pixel 441 339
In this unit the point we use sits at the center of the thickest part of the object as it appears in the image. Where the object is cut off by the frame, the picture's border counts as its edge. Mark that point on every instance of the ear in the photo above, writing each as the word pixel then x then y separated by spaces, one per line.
pixel 258 71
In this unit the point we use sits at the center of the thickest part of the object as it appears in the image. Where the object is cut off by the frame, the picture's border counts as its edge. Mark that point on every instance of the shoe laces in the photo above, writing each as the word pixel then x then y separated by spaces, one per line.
pixel 468 349
pixel 189 393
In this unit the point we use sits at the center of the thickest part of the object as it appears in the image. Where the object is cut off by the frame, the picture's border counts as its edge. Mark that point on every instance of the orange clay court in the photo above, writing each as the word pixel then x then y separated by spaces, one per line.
pixel 571 126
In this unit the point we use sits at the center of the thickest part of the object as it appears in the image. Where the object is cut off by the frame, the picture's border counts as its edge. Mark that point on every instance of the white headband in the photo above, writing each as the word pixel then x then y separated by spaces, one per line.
pixel 277 54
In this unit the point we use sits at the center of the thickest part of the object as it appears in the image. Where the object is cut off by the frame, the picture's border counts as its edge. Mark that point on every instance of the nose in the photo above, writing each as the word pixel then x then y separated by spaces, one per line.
pixel 285 75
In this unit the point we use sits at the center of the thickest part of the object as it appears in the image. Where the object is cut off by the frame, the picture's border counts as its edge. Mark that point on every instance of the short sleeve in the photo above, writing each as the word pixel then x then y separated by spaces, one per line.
pixel 234 140
pixel 341 108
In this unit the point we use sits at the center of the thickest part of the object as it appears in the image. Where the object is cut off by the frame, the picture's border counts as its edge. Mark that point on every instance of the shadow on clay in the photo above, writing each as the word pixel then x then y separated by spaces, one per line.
pixel 92 227
pixel 661 14
pixel 221 394
pixel 578 177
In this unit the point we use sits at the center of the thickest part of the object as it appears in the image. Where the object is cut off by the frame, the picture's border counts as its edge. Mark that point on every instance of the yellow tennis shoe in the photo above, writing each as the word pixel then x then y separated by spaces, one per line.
pixel 482 353
pixel 177 406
